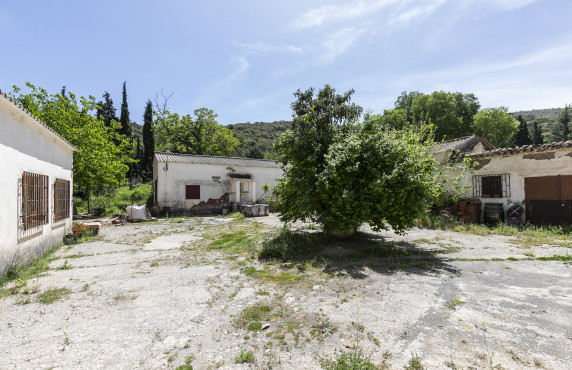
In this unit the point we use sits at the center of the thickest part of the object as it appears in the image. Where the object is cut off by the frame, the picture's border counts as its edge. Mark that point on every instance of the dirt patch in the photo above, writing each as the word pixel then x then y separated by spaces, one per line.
pixel 162 294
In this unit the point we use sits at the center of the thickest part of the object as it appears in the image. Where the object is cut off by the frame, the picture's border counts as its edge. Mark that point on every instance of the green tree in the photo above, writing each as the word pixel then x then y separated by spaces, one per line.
pixel 391 118
pixel 451 114
pixel 497 125
pixel 200 135
pixel 564 124
pixel 340 173
pixel 522 137
pixel 537 137
pixel 254 152
pixel 106 111
pixel 124 117
pixel 148 143
pixel 100 163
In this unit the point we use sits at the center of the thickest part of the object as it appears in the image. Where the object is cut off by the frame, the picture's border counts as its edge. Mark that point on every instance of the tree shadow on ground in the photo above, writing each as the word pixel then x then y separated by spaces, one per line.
pixel 352 256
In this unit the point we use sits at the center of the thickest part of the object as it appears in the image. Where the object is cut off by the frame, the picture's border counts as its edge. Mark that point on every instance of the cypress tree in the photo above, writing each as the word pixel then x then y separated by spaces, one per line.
pixel 537 137
pixel 522 137
pixel 148 142
pixel 565 123
pixel 124 117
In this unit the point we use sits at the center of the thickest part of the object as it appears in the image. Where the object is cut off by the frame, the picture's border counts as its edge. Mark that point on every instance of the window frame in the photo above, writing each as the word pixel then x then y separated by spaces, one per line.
pixel 62 199
pixel 479 186
pixel 35 200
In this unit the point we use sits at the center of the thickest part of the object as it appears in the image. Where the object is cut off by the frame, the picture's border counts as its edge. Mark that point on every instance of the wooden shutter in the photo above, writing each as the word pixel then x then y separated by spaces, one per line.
pixel 193 192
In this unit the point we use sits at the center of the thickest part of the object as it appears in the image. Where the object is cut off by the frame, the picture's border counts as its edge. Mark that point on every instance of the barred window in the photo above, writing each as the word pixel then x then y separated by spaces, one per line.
pixel 491 186
pixel 34 200
pixel 62 199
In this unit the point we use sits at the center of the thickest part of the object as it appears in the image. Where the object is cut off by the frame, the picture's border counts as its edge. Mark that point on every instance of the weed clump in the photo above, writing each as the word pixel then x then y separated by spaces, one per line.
pixel 52 295
pixel 349 360
pixel 244 358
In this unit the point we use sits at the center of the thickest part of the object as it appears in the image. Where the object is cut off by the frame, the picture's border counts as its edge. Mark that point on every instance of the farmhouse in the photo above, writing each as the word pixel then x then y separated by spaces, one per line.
pixel 536 177
pixel 36 185
pixel 191 184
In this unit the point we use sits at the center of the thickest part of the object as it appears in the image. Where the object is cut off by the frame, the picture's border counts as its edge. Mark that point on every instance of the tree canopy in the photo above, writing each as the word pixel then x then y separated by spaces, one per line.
pixel 199 135
pixel 341 173
pixel 101 160
pixel 451 114
pixel 497 125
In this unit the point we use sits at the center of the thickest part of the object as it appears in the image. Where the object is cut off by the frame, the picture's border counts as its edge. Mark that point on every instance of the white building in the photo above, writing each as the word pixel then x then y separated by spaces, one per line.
pixel 36 183
pixel 198 184
pixel 538 177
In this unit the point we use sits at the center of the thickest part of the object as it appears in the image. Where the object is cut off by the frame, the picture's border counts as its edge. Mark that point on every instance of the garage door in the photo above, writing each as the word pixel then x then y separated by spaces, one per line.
pixel 548 199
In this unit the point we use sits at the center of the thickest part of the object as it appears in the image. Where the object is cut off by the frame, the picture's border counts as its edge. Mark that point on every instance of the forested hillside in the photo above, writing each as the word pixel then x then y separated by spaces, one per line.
pixel 546 119
pixel 257 139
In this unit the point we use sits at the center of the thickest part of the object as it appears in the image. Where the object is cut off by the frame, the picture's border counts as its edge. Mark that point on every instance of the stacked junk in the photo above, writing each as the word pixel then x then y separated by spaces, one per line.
pixel 469 211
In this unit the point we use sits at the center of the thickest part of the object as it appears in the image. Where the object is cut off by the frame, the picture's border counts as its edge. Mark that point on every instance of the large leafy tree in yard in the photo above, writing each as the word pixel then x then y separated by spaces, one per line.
pixel 199 135
pixel 497 125
pixel 101 160
pixel 340 173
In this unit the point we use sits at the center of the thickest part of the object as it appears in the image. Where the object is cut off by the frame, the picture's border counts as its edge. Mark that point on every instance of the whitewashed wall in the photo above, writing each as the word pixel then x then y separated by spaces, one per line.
pixel 26 145
pixel 172 182
pixel 519 168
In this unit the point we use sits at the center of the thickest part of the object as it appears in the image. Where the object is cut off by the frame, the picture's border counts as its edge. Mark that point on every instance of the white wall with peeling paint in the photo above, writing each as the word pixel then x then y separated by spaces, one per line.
pixel 214 181
pixel 27 145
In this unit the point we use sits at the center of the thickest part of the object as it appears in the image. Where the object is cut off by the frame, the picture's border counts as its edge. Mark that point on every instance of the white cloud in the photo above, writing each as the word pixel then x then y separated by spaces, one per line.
pixel 318 16
pixel 508 4
pixel 339 42
pixel 415 12
pixel 263 48
pixel 537 80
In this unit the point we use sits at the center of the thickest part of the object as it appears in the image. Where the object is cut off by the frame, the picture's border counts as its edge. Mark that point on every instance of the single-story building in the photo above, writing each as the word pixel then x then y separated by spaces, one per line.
pixel 536 177
pixel 36 185
pixel 188 184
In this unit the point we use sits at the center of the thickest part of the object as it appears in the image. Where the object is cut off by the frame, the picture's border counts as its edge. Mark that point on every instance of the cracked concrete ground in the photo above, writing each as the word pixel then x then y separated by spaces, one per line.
pixel 151 295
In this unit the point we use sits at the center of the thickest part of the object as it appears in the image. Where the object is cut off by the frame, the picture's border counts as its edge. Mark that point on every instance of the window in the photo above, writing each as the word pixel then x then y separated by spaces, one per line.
pixel 491 186
pixel 193 192
pixel 34 200
pixel 243 187
pixel 61 200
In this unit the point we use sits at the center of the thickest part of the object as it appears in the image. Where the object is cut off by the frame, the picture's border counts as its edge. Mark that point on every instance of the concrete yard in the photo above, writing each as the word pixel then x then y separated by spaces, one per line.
pixel 151 295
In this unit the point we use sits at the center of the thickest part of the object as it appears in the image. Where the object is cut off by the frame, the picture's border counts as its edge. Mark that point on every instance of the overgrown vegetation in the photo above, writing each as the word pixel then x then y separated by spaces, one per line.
pixel 114 201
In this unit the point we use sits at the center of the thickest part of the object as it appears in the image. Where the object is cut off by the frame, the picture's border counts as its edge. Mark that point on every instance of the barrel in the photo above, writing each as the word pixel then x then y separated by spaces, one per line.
pixel 494 213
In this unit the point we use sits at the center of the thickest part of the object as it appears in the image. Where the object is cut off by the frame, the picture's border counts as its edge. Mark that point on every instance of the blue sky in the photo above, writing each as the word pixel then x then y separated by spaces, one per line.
pixel 244 59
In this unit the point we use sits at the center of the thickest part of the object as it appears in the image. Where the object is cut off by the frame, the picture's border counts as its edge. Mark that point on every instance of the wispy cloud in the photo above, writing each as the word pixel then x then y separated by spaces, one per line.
pixel 339 42
pixel 504 5
pixel 264 48
pixel 318 16
pixel 414 12
pixel 536 80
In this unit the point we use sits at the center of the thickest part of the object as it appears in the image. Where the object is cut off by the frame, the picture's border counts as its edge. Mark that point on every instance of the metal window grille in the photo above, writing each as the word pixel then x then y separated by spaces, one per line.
pixel 193 192
pixel 34 211
pixel 491 186
pixel 62 199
